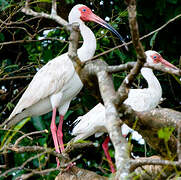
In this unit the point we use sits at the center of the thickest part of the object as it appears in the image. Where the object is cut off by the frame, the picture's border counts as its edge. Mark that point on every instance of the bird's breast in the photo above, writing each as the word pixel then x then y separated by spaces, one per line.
pixel 73 87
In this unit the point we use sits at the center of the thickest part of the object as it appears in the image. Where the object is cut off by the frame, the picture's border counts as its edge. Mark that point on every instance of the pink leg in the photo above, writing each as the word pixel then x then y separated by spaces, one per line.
pixel 60 134
pixel 60 140
pixel 105 148
pixel 54 134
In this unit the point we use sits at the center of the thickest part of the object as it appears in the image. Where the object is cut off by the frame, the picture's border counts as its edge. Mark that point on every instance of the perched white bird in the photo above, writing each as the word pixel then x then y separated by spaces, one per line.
pixel 139 99
pixel 56 83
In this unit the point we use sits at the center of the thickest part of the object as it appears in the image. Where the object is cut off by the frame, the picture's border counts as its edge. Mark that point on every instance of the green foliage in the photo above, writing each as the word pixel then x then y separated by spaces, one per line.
pixel 2 38
pixel 7 138
pixel 38 123
pixel 69 1
pixel 24 59
pixel 152 40
pixel 165 133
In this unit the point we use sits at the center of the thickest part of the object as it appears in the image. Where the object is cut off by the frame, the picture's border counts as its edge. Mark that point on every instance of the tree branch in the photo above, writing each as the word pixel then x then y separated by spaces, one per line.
pixel 122 92
pixel 149 123
pixel 76 173
pixel 130 65
pixel 150 161
pixel 52 16
pixel 113 126
pixel 28 134
pixel 141 38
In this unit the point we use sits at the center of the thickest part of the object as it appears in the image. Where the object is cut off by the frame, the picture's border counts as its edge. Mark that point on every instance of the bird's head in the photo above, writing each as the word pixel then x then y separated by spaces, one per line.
pixel 81 13
pixel 154 57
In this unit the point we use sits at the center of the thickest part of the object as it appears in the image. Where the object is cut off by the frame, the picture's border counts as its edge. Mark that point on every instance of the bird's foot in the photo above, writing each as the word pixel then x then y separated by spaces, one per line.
pixel 69 166
pixel 58 162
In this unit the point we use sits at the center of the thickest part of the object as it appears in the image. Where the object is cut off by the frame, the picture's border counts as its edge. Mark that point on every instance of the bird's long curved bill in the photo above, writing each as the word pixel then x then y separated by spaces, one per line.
pixel 100 21
pixel 167 64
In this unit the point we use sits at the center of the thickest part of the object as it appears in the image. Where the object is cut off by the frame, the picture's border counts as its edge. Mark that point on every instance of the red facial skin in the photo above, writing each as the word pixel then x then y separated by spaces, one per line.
pixel 85 13
pixel 88 15
pixel 157 58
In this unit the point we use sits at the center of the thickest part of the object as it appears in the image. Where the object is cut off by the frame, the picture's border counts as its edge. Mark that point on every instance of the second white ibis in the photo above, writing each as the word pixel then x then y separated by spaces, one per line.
pixel 139 99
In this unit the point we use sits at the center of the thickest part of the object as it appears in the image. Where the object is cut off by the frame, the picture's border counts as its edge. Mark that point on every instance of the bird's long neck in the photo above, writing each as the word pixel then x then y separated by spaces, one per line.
pixel 153 83
pixel 89 43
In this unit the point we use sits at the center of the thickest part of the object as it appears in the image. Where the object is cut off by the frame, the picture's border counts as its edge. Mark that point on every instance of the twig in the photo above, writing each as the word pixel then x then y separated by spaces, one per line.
pixel 31 158
pixel 179 144
pixel 18 22
pixel 54 17
pixel 1 129
pixel 35 172
pixel 28 134
pixel 16 77
pixel 2 166
pixel 22 28
pixel 141 38
pixel 71 146
pixel 22 166
pixel 18 70
pixel 130 65
pixel 32 40
pixel 122 92
pixel 145 161
pixel 25 176
pixel 54 7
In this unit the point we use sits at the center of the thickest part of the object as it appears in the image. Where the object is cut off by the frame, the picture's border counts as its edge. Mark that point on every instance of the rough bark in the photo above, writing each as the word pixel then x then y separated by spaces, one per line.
pixel 149 123
pixel 76 173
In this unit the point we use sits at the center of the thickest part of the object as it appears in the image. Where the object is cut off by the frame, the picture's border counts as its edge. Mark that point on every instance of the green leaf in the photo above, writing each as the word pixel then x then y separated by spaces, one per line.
pixel 172 1
pixel 16 129
pixel 11 66
pixel 152 41
pixel 82 141
pixel 69 1
pixel 165 133
pixel 10 106
pixel 123 13
pixel 38 123
pixel 2 37
pixel 69 112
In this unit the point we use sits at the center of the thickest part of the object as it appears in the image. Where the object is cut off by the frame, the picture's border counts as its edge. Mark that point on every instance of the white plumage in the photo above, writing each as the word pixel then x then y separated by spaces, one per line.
pixel 56 83
pixel 139 99
pixel 91 123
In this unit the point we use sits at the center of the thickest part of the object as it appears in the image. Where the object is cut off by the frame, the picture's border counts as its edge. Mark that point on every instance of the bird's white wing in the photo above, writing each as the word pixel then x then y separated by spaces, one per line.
pixel 89 124
pixel 47 81
pixel 139 99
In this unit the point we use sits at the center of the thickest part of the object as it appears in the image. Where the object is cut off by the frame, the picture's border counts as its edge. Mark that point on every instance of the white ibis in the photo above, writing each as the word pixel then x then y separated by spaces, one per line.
pixel 56 83
pixel 139 99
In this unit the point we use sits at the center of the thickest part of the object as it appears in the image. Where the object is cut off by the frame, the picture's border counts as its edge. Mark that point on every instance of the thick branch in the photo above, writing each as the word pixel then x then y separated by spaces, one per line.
pixel 54 7
pixel 130 65
pixel 76 173
pixel 150 161
pixel 149 123
pixel 122 92
pixel 113 126
pixel 73 46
